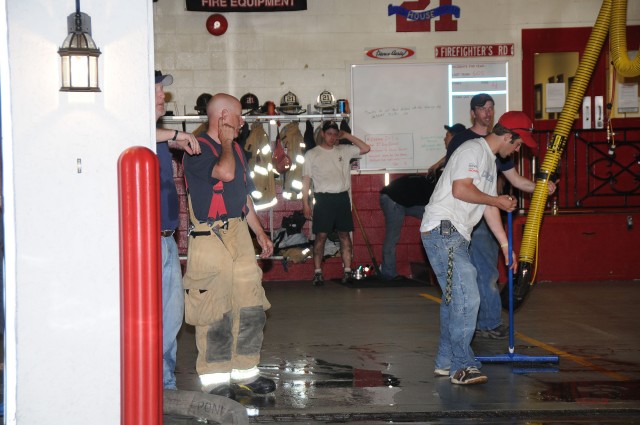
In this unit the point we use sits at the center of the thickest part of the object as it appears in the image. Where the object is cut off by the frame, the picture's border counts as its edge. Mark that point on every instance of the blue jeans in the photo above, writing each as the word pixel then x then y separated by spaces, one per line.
pixel 172 309
pixel 394 218
pixel 458 317
pixel 2 273
pixel 484 256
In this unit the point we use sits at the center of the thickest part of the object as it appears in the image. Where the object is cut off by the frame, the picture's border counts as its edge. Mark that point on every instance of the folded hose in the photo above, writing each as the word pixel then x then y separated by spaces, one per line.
pixel 202 406
pixel 611 20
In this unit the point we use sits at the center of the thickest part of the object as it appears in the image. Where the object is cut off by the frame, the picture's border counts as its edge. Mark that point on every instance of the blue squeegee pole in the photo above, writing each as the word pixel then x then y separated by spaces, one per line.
pixel 510 272
pixel 511 356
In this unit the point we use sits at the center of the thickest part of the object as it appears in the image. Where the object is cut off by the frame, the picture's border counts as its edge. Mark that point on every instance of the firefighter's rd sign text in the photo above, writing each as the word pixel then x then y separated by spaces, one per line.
pixel 474 50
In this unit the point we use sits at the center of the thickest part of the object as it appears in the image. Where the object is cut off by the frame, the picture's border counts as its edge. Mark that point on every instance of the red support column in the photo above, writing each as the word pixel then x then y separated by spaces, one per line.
pixel 140 288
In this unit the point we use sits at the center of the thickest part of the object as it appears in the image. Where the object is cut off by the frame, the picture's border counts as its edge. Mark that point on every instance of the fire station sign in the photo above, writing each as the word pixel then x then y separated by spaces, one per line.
pixel 245 5
pixel 474 50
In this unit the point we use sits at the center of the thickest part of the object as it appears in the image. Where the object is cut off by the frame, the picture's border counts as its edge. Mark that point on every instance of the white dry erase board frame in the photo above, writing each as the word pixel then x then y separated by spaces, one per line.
pixel 401 109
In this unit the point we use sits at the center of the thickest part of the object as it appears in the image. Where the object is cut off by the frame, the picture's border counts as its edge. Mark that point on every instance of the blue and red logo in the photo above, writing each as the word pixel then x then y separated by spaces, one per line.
pixel 413 16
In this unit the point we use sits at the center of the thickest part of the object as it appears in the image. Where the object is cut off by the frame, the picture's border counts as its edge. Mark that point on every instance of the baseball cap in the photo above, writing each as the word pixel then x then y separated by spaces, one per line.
pixel 165 79
pixel 519 123
pixel 455 129
pixel 330 124
pixel 480 99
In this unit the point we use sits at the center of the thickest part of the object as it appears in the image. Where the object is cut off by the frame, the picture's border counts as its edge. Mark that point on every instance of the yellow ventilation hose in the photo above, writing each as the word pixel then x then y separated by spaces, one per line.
pixel 619 56
pixel 610 20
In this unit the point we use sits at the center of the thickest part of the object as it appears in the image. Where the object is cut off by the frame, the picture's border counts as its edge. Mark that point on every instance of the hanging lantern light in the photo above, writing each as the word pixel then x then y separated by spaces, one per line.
pixel 79 55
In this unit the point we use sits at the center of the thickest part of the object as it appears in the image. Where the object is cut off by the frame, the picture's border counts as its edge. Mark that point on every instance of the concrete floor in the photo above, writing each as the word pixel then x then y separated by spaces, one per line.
pixel 365 355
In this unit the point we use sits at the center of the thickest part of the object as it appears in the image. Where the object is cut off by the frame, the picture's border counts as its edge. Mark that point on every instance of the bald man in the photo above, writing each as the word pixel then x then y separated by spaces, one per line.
pixel 224 298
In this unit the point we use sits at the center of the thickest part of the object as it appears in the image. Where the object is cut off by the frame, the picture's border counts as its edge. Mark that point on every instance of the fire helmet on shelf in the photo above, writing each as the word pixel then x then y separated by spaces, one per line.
pixel 326 102
pixel 250 103
pixel 269 108
pixel 289 104
pixel 201 103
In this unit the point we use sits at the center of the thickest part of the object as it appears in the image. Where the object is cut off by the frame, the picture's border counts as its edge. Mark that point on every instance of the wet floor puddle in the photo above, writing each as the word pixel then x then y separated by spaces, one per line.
pixel 323 374
pixel 591 391
pixel 299 381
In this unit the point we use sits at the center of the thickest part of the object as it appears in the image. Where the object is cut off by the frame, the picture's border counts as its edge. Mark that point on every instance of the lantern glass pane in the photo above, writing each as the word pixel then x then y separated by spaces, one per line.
pixel 66 74
pixel 79 71
pixel 93 71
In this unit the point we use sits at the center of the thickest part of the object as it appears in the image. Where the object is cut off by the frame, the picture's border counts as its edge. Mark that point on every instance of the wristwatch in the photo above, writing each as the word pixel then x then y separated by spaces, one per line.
pixel 175 136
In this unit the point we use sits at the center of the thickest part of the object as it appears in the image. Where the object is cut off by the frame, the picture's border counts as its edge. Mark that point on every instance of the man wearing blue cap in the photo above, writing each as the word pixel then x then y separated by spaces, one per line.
pixel 172 292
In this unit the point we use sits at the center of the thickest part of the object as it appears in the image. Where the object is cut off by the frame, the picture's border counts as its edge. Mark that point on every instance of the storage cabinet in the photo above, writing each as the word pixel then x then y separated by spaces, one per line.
pixel 585 246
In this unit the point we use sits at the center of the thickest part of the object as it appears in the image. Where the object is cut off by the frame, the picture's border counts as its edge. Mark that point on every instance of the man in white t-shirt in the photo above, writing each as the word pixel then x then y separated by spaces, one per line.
pixel 465 193
pixel 328 166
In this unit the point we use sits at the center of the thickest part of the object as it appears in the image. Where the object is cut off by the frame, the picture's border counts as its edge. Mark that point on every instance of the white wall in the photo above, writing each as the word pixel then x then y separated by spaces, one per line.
pixel 63 351
pixel 309 51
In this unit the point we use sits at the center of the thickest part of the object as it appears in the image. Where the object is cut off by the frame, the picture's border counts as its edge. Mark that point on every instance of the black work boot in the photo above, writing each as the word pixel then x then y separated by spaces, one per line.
pixel 223 390
pixel 260 385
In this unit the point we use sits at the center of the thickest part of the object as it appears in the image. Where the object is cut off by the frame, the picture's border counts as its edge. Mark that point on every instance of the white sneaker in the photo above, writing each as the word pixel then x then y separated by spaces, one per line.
pixel 441 372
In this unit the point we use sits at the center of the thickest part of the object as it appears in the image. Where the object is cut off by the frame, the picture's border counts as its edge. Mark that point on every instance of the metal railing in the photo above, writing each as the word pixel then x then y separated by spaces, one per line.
pixel 598 169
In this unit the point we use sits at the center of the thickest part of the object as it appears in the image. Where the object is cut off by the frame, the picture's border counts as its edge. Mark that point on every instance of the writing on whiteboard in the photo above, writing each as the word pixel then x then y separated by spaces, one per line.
pixel 390 151
pixel 471 70
pixel 398 111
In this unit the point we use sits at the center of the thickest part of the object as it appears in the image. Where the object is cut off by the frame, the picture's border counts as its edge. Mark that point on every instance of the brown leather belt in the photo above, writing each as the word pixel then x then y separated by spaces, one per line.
pixel 166 233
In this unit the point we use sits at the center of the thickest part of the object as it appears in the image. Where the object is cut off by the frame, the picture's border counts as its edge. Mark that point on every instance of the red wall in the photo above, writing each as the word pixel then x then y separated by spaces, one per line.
pixel 365 192
pixel 587 246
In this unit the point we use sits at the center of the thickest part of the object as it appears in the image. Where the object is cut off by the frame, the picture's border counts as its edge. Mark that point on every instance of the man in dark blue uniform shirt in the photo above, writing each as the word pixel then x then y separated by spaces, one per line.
pixel 172 292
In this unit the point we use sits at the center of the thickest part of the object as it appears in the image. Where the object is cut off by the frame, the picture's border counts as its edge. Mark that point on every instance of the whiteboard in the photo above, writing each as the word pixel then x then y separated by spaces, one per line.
pixel 400 109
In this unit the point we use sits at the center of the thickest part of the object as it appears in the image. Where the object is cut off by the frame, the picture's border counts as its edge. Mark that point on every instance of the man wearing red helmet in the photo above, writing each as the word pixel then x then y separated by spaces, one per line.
pixel 484 248
pixel 465 193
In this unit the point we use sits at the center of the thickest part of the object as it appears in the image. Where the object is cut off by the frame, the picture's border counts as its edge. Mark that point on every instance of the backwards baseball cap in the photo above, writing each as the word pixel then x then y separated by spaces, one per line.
pixel 330 124
pixel 480 99
pixel 520 125
pixel 164 79
pixel 455 129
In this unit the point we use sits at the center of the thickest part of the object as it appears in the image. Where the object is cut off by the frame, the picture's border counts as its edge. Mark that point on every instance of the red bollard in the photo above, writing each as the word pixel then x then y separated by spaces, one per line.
pixel 140 288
